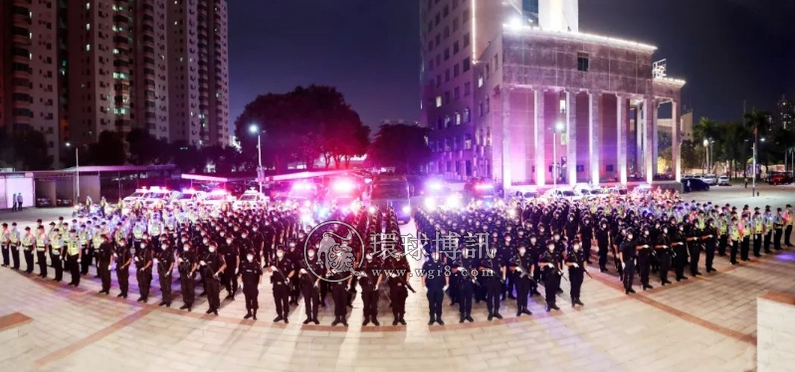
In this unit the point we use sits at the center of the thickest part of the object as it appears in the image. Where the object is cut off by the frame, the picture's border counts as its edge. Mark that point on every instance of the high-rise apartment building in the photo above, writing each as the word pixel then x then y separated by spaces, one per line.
pixel 29 68
pixel 75 68
pixel 513 92
pixel 198 71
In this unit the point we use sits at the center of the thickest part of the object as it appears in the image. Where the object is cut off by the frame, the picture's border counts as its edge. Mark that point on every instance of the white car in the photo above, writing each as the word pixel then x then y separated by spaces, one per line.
pixel 710 179
pixel 724 181
pixel 157 196
pixel 250 198
pixel 217 198
pixel 563 193
pixel 188 197
pixel 139 194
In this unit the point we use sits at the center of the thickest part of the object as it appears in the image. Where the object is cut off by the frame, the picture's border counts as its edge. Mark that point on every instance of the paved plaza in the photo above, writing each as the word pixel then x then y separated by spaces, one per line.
pixel 701 324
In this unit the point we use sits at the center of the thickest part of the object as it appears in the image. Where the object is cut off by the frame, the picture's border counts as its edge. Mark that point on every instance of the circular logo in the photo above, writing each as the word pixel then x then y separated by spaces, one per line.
pixel 334 253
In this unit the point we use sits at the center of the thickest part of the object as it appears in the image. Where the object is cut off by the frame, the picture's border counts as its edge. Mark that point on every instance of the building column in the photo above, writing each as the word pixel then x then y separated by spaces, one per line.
pixel 505 97
pixel 571 136
pixel 640 135
pixel 594 134
pixel 650 137
pixel 540 143
pixel 622 128
pixel 676 141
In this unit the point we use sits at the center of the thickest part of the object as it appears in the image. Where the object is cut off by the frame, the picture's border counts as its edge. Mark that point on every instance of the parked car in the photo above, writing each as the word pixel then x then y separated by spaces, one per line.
pixel 43 202
pixel 710 179
pixel 61 201
pixel 724 181
pixel 695 184
pixel 779 178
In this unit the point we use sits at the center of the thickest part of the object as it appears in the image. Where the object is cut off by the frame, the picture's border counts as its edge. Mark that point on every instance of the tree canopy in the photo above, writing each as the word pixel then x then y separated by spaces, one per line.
pixel 401 146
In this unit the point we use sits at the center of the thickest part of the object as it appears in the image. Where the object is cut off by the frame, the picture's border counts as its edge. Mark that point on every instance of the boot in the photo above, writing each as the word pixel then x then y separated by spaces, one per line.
pixel 278 319
pixel 578 302
pixel 463 318
pixel 248 315
pixel 307 320
pixel 336 321
pixel 366 321
pixel 439 321
pixel 430 322
pixel 253 317
pixel 375 322
pixel 525 311
pixel 344 321
pixel 403 322
pixel 497 315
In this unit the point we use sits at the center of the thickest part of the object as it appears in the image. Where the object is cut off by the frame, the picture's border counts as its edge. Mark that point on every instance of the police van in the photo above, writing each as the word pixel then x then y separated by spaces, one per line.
pixel 251 198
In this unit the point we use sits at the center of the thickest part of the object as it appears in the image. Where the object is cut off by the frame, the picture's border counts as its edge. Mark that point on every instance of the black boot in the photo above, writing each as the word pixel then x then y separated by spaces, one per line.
pixel 336 321
pixel 578 302
pixel 248 315
pixel 375 322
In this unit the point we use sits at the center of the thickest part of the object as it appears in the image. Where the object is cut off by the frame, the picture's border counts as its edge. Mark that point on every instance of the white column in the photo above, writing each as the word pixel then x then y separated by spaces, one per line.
pixel 594 134
pixel 571 136
pixel 539 136
pixel 676 145
pixel 505 96
pixel 621 144
pixel 640 134
pixel 650 109
pixel 654 129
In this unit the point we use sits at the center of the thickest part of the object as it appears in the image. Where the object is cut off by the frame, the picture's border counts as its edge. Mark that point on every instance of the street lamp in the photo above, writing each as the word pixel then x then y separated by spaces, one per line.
pixel 254 128
pixel 558 128
pixel 77 171
pixel 706 153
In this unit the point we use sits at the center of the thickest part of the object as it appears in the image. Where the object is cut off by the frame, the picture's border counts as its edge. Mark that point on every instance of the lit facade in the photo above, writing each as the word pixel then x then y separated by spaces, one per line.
pixel 538 106
pixel 198 72
pixel 28 69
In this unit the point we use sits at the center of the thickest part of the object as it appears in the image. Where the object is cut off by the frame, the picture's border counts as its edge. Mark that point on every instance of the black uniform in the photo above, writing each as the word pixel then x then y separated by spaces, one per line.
pixel 339 292
pixel 628 251
pixel 214 262
pixel 434 282
pixel 644 246
pixel 143 265
pixel 104 256
pixel 576 273
pixel 123 260
pixel 680 253
pixel 552 275
pixel 251 272
pixel 663 248
pixel 164 269
pixel 694 248
pixel 187 260
pixel 312 270
pixel 281 287
pixel 709 238
pixel 398 291
pixel 370 292
pixel 523 269
pixel 231 256
pixel 467 281
pixel 491 271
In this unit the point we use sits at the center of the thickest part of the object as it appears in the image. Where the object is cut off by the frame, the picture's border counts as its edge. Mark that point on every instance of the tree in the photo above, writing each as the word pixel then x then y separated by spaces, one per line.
pixel 187 157
pixel 226 159
pixel 302 125
pixel 29 150
pixel 108 150
pixel 145 149
pixel 664 140
pixel 401 146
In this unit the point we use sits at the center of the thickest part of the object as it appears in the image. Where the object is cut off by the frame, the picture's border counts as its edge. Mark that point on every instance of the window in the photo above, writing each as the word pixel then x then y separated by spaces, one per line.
pixel 457 118
pixel 446 54
pixel 582 62
pixel 455 47
pixel 488 104
pixel 480 80
pixel 496 62
pixel 447 97
pixel 455 70
pixel 447 121
pixel 438 80
pixel 446 11
pixel 438 101
pixel 466 40
pixel 466 64
pixel 469 168
pixel 467 115
pixel 430 45
pixel 609 168
pixel 456 93
pixel 455 24
pixel 480 108
pixel 447 75
pixel 467 141
pixel 466 15
pixel 438 39
pixel 446 32
pixel 467 88
pixel 438 19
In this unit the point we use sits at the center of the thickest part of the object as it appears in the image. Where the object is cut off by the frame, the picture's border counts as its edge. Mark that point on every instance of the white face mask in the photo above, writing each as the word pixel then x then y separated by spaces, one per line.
pixel 629 237
pixel 205 241
pixel 522 251
pixel 250 258
pixel 576 247
pixel 435 257
pixel 212 249
pixel 228 241
pixel 533 240
pixel 310 254
pixel 186 249
pixel 557 237
pixel 551 248
pixel 121 244
pixel 279 254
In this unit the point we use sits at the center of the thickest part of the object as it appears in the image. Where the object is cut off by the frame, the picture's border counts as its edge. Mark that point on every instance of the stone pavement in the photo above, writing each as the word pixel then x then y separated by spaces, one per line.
pixel 701 324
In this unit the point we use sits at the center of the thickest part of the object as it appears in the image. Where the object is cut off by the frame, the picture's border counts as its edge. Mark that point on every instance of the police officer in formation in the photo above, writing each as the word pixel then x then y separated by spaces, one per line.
pixel 251 275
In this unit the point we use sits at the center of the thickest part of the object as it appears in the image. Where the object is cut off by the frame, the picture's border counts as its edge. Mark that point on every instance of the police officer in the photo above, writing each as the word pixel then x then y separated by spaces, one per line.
pixel 232 259
pixel 165 266
pixel 778 224
pixel 663 249
pixel 735 237
pixel 104 258
pixel 680 251
pixel 575 260
pixel 494 275
pixel 398 269
pixel 213 265
pixel 73 257
pixel 339 292
pixel 282 270
pixel 14 241
pixel 643 246
pixel 464 270
pixel 628 251
pixel 56 252
pixel 788 225
pixel 436 283
pixel 309 275
pixel 524 268
pixel 758 227
pixel 251 274
pixel 369 281
pixel 187 263
pixel 4 244
pixel 550 262
pixel 709 240
pixel 143 265
pixel 42 243
pixel 123 259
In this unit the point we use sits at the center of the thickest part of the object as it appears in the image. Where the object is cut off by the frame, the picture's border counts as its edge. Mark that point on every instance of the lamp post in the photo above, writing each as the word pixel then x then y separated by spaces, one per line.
pixel 706 154
pixel 254 128
pixel 555 165
pixel 77 171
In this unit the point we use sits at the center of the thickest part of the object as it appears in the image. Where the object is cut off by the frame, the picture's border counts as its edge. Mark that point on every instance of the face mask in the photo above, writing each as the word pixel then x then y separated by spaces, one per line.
pixel 280 255
pixel 243 236
pixel 435 257
pixel 310 254
pixel 205 241
pixel 533 240
pixel 557 237
pixel 646 233
pixel 250 258
pixel 551 248
pixel 629 237
pixel 184 240
pixel 203 233
pixel 186 248
pixel 223 233
pixel 212 249
pixel 576 247
pixel 228 241
pixel 522 251
pixel 120 244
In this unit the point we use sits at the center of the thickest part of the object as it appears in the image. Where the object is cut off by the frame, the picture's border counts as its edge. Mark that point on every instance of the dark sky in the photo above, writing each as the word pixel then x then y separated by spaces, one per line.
pixel 727 50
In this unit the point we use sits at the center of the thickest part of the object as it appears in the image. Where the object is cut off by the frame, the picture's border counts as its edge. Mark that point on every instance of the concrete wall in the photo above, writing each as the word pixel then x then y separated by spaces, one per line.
pixel 775 332
pixel 89 186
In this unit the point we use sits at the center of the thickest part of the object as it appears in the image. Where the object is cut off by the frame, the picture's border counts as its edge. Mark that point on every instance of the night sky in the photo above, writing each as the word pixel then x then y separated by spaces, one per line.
pixel 727 50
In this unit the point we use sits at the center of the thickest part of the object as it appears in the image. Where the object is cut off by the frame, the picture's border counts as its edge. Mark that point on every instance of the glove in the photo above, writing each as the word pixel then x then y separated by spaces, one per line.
pixel 444 289
pixel 115 255
pixel 179 260
pixel 156 260
pixel 273 268
pixel 519 269
pixel 78 260
pixel 576 265
pixel 550 265
pixel 202 263
pixel 394 275
pixel 136 259
pixel 623 265
pixel 302 271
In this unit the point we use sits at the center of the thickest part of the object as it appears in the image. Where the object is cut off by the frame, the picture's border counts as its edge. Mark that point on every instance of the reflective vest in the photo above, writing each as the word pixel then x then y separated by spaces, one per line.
pixel 97 240
pixel 723 227
pixel 734 233
pixel 14 236
pixel 787 218
pixel 41 241
pixel 758 225
pixel 27 240
pixel 72 248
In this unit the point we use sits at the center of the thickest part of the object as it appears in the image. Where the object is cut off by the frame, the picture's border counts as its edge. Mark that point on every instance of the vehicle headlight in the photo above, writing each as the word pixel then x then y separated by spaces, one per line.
pixel 406 209
pixel 453 201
